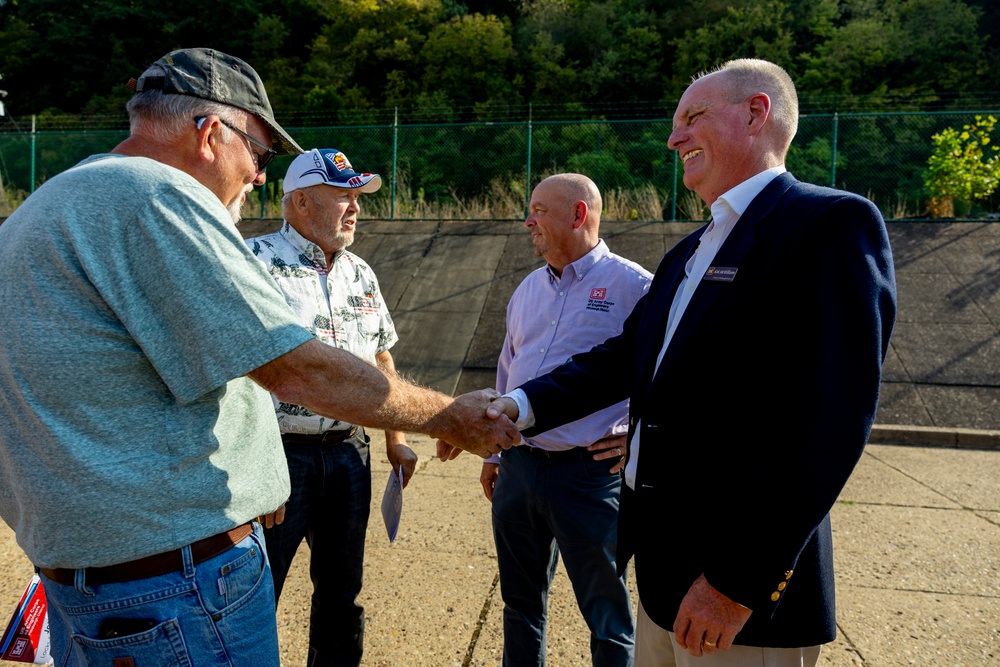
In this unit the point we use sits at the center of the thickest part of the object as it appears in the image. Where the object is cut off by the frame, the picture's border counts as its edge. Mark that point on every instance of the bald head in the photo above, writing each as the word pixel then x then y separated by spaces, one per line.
pixel 577 187
pixel 564 218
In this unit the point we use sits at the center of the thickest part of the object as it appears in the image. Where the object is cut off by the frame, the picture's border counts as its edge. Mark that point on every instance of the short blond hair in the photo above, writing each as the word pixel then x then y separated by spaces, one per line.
pixel 749 76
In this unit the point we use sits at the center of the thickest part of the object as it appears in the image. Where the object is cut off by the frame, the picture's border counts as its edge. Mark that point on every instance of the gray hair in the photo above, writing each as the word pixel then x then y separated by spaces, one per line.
pixel 164 116
pixel 749 76
pixel 286 203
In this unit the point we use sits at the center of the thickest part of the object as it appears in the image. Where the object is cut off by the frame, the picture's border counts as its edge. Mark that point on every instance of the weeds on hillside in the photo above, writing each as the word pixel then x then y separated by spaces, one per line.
pixel 10 199
pixel 502 199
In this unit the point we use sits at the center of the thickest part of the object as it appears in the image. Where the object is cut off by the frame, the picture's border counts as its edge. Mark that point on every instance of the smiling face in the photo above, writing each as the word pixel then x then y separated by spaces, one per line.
pixel 713 136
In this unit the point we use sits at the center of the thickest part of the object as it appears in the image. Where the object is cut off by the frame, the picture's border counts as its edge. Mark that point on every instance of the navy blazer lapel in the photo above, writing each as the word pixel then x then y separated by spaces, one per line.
pixel 738 244
pixel 657 309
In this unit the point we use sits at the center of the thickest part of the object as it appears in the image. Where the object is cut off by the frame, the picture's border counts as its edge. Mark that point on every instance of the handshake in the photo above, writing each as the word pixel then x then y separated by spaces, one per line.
pixel 481 422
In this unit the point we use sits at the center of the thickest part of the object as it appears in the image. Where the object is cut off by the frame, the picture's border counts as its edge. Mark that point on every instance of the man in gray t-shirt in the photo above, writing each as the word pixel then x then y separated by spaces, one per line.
pixel 140 339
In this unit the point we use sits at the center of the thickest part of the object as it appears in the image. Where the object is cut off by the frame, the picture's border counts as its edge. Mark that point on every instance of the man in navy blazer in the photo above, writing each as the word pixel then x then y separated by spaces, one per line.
pixel 753 368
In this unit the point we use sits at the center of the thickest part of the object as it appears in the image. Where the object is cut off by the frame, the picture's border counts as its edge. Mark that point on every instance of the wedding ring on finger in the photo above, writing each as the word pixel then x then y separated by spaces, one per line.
pixel 709 644
pixel 619 450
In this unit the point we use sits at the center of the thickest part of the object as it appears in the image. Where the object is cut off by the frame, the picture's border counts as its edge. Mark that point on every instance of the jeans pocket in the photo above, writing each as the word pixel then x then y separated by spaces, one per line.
pixel 162 645
pixel 241 576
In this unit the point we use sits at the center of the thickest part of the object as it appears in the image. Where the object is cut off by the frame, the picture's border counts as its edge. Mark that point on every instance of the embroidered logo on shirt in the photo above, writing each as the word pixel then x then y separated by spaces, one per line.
pixel 597 300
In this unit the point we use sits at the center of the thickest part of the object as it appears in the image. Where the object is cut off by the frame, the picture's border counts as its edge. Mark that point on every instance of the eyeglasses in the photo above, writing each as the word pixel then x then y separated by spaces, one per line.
pixel 262 159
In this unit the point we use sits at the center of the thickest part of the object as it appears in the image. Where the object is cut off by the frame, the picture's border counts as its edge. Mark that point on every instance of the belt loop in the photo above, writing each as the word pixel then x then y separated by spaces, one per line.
pixel 80 582
pixel 187 558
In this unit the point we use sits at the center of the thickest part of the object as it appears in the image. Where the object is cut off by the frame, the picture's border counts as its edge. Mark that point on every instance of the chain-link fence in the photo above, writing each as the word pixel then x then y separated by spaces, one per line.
pixel 486 170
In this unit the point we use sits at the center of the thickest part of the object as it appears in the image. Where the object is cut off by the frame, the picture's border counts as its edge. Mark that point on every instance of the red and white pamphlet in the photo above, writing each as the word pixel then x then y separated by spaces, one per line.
pixel 26 638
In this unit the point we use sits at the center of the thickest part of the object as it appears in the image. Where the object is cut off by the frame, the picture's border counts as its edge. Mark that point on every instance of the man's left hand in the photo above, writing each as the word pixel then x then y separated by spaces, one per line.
pixel 707 620
pixel 273 519
pixel 613 447
pixel 401 456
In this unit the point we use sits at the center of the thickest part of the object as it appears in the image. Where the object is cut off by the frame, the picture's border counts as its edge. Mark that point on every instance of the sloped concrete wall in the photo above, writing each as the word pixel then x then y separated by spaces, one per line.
pixel 448 283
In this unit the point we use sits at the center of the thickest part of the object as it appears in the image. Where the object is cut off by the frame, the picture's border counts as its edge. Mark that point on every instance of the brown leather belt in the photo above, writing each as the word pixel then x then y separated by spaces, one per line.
pixel 155 565
pixel 326 438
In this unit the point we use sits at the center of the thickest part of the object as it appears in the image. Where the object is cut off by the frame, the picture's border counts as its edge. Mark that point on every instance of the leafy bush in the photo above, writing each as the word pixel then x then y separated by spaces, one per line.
pixel 964 166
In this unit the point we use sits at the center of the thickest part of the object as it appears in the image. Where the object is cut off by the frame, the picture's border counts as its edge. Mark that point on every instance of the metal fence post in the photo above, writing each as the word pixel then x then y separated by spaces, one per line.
pixel 32 188
pixel 527 169
pixel 392 181
pixel 833 153
pixel 673 193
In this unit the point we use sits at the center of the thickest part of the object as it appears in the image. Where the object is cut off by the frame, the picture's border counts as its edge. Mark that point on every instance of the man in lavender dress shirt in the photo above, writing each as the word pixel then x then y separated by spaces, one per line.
pixel 556 490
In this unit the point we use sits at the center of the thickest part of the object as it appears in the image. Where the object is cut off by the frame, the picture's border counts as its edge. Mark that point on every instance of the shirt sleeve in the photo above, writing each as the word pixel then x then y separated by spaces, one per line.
pixel 190 294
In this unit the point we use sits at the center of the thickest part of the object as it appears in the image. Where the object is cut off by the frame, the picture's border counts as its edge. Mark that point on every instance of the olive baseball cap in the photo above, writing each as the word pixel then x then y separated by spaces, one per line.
pixel 216 76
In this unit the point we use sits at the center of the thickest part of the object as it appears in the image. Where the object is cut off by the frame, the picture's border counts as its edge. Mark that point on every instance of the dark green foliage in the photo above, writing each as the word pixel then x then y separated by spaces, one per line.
pixel 349 66
pixel 328 61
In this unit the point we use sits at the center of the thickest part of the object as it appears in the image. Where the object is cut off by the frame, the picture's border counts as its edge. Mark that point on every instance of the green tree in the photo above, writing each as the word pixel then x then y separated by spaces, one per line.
pixel 748 29
pixel 965 165
pixel 471 60
pixel 898 46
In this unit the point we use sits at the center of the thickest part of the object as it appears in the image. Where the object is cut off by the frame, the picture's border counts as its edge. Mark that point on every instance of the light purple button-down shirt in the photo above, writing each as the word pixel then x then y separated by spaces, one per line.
pixel 550 318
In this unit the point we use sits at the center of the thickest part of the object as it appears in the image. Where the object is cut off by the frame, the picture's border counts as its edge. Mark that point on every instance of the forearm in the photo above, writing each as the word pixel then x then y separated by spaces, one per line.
pixel 384 361
pixel 394 438
pixel 337 384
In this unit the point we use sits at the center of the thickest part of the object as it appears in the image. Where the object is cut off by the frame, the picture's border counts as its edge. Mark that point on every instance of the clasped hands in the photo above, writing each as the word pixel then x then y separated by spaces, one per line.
pixel 484 425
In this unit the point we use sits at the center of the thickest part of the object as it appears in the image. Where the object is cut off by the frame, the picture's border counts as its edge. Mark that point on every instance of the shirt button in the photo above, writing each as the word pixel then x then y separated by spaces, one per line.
pixel 553 322
pixel 562 293
pixel 542 350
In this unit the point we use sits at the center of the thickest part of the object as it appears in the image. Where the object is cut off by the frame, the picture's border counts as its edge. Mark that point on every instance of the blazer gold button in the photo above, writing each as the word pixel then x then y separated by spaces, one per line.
pixel 788 574
pixel 781 586
pixel 774 596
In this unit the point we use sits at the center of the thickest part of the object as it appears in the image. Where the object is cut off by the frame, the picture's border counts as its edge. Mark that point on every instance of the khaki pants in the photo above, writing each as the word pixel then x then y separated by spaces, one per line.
pixel 656 647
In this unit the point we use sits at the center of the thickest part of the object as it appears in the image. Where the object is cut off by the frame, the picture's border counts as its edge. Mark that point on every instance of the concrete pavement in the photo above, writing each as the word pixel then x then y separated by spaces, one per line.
pixel 917 539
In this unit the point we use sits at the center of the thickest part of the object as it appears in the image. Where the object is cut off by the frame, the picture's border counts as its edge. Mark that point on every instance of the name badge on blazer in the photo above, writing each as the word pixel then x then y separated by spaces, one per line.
pixel 721 274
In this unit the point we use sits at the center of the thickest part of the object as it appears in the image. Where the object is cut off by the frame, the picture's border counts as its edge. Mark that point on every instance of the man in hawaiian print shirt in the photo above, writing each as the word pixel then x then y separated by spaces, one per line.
pixel 336 296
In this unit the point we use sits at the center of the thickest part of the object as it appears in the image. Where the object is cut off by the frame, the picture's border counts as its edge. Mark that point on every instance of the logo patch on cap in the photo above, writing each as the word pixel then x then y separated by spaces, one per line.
pixel 339 160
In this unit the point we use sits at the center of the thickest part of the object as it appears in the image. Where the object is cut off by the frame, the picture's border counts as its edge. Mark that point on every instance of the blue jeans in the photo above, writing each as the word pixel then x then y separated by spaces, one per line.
pixel 331 497
pixel 542 508
pixel 218 612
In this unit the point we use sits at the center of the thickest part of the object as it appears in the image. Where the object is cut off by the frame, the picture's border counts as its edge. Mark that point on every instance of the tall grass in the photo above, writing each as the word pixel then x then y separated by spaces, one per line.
pixel 10 198
pixel 501 199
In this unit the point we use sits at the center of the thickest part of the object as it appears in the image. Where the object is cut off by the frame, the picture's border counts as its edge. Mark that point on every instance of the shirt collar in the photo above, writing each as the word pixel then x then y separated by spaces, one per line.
pixel 305 247
pixel 582 266
pixel 739 198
